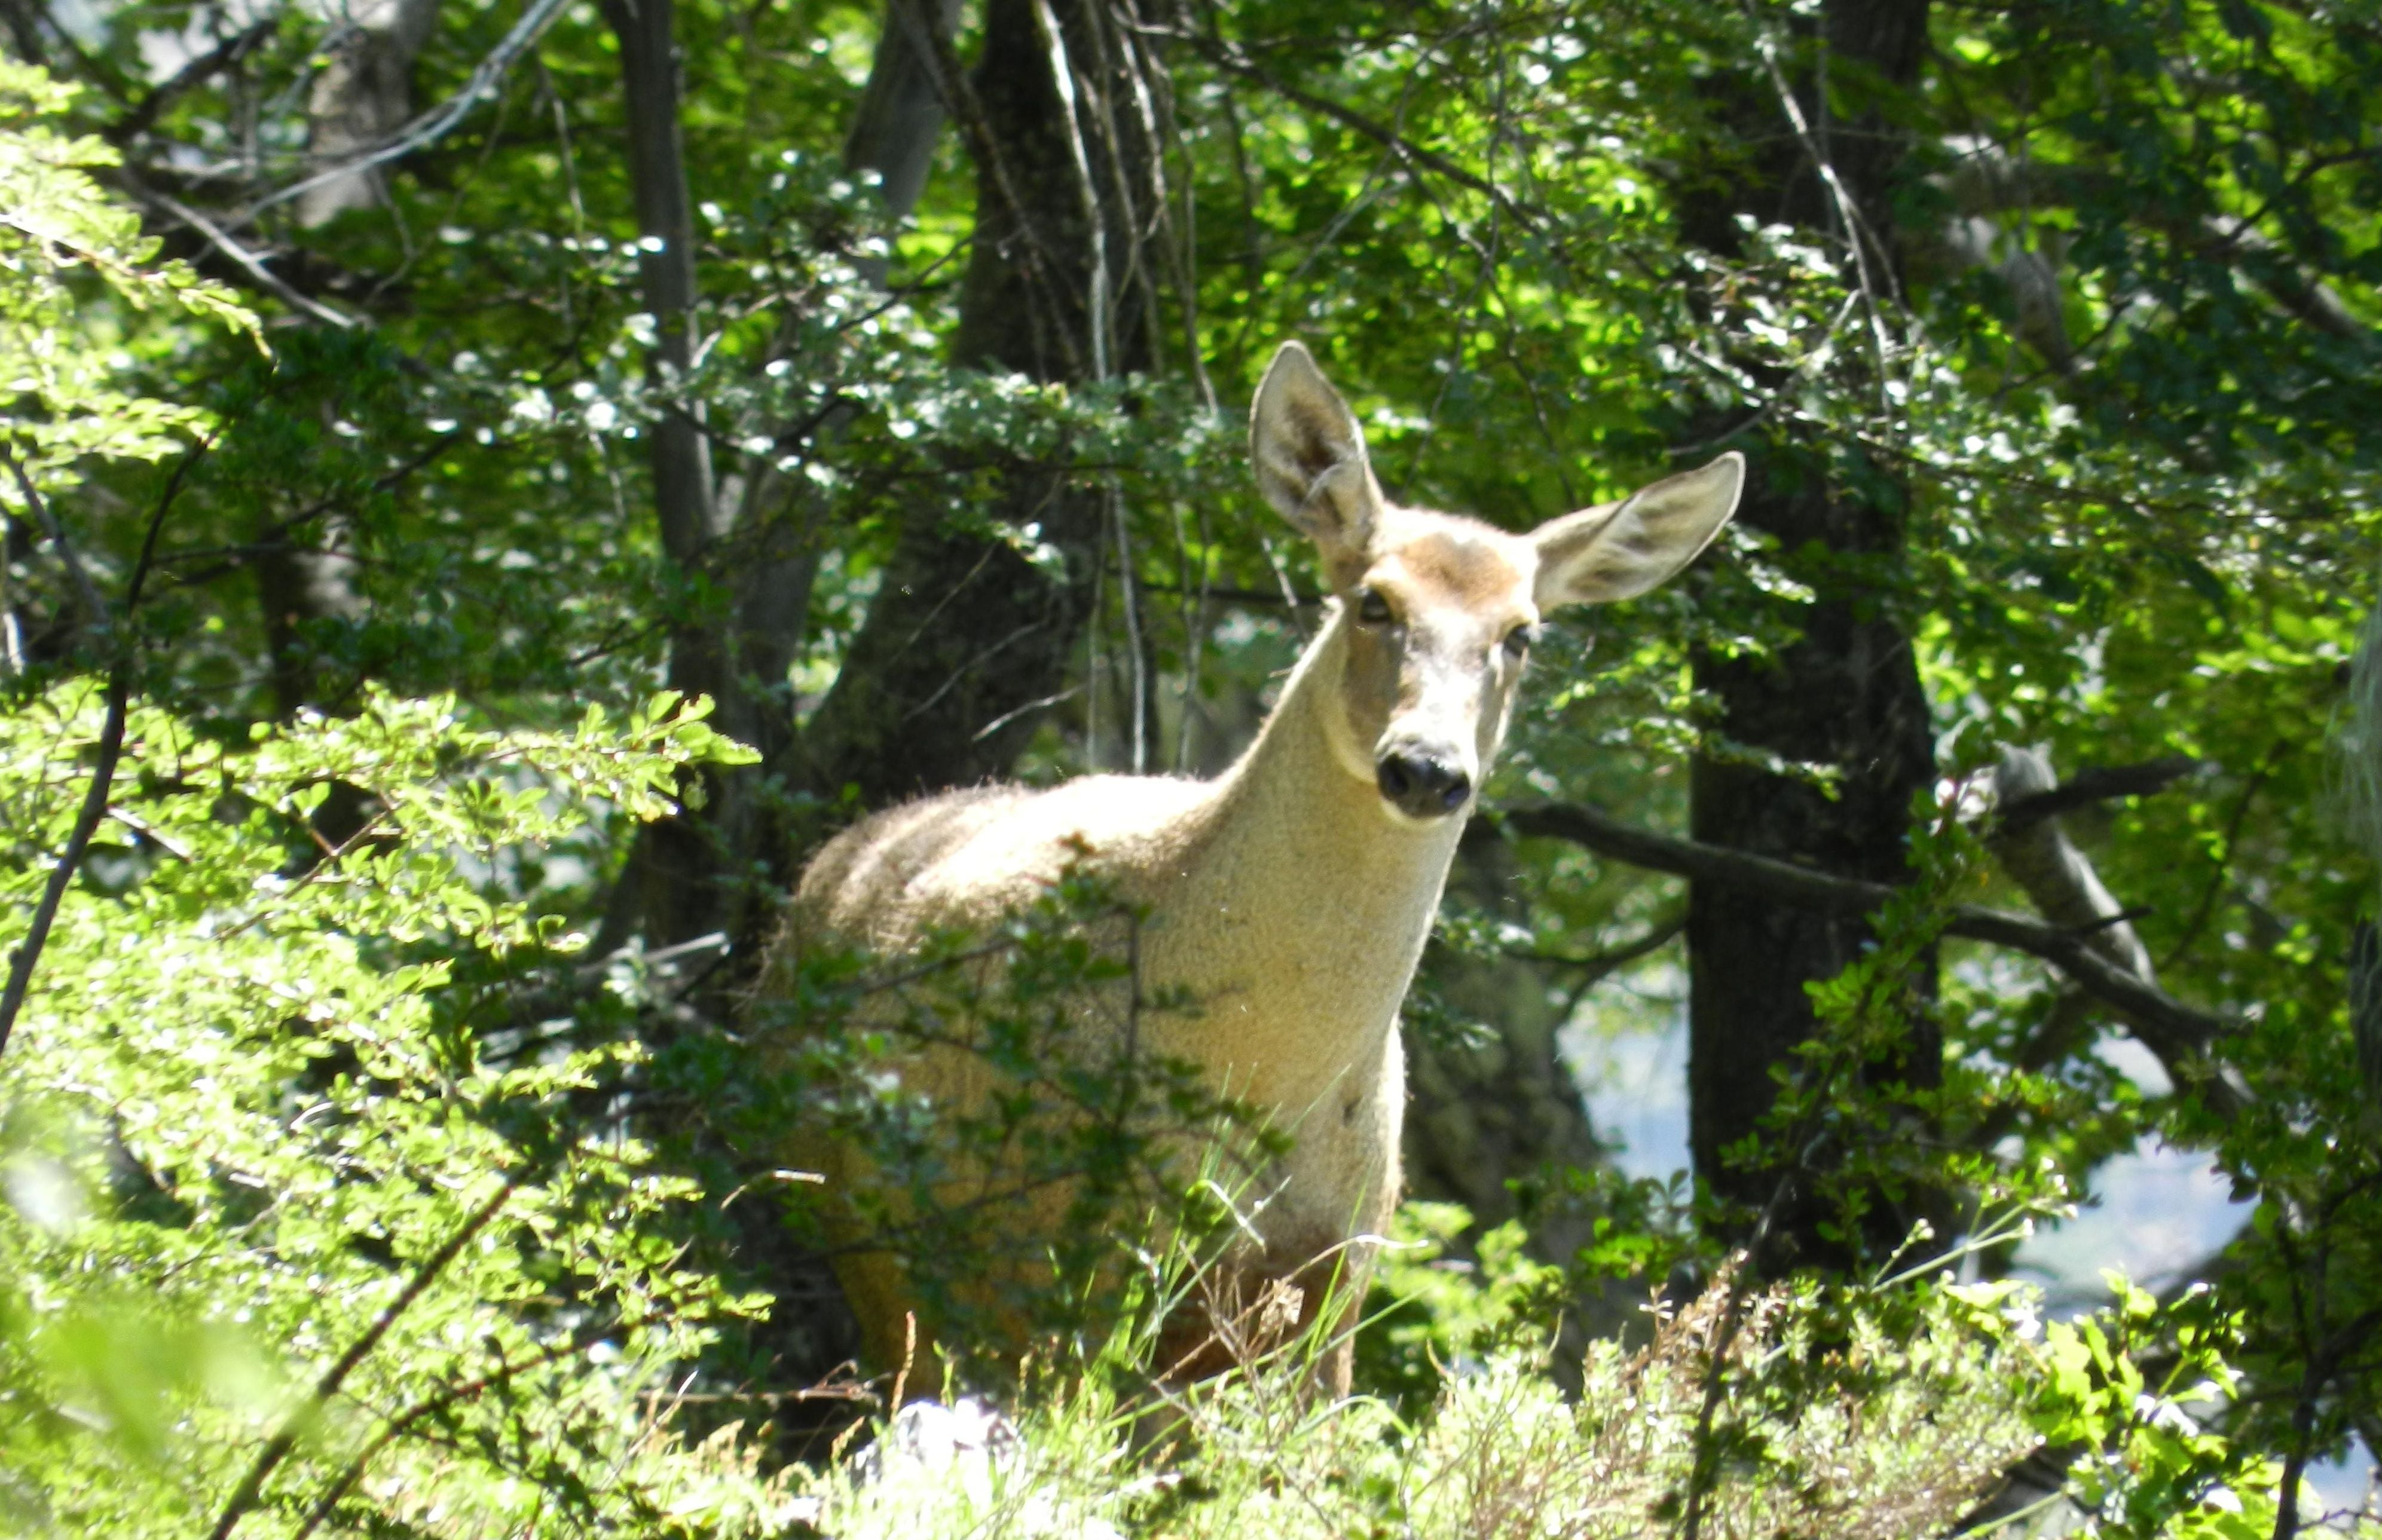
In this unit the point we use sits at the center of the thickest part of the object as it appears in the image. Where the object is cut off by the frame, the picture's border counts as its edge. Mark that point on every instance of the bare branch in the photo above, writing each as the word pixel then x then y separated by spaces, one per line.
pixel 1991 181
pixel 2101 785
pixel 1229 57
pixel 196 73
pixel 2057 877
pixel 110 749
pixel 432 126
pixel 244 1497
pixel 94 607
pixel 240 256
pixel 2181 1035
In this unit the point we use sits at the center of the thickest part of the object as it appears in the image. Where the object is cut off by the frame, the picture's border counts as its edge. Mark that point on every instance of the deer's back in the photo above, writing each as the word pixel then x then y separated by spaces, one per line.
pixel 966 859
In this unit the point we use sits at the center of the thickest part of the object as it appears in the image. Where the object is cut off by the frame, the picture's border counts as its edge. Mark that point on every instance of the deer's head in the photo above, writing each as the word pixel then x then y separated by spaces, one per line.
pixel 1438 611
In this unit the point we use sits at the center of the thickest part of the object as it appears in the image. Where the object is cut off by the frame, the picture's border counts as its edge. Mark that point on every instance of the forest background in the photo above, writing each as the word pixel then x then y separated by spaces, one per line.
pixel 489 488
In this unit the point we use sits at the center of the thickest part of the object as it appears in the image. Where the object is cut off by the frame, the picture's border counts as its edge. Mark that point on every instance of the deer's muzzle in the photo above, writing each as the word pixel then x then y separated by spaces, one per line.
pixel 1422 785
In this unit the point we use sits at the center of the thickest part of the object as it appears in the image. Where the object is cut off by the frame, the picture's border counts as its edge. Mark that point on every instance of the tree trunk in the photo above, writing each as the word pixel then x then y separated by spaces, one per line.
pixel 963 635
pixel 940 687
pixel 709 869
pixel 1481 1116
pixel 305 587
pixel 901 110
pixel 362 96
pixel 683 874
pixel 1488 1121
pixel 1846 695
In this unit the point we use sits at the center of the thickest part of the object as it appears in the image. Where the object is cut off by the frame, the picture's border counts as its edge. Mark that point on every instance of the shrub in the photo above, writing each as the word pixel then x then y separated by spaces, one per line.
pixel 288 1243
pixel 1883 1415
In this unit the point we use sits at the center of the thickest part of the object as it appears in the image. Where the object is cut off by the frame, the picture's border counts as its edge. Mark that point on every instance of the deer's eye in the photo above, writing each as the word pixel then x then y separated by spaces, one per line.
pixel 1517 642
pixel 1373 609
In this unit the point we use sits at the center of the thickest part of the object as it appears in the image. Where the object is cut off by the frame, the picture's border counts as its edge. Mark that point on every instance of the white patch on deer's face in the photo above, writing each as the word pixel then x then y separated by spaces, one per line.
pixel 1425 672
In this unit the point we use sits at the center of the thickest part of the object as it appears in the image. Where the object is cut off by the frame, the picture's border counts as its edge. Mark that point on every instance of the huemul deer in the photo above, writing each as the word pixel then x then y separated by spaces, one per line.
pixel 1290 895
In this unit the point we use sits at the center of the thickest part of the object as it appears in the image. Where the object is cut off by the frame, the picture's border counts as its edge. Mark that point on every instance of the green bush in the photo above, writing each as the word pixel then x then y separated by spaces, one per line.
pixel 288 1242
pixel 1796 1411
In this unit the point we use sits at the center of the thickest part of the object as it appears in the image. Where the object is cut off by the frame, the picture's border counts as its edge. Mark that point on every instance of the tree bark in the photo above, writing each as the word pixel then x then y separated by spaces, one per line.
pixel 684 870
pixel 940 687
pixel 305 571
pixel 680 456
pixel 362 96
pixel 1846 695
pixel 966 635
pixel 301 580
pixel 710 869
pixel 901 110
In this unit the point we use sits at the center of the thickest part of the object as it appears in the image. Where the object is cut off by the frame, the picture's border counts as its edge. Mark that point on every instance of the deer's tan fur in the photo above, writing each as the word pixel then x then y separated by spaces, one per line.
pixel 1290 895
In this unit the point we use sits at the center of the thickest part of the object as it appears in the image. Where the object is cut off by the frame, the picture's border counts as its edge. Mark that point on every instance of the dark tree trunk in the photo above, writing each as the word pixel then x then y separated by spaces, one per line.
pixel 681 459
pixel 677 870
pixel 903 111
pixel 300 583
pixel 1506 1108
pixel 1846 695
pixel 1482 1115
pixel 305 587
pixel 1495 1124
pixel 712 868
pixel 966 636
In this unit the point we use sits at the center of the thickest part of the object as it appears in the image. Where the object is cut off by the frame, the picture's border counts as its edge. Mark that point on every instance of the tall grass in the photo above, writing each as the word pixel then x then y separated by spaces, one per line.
pixel 1845 1414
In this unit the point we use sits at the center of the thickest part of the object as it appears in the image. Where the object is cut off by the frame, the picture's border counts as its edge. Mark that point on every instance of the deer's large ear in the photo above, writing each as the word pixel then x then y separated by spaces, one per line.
pixel 1620 550
pixel 1310 457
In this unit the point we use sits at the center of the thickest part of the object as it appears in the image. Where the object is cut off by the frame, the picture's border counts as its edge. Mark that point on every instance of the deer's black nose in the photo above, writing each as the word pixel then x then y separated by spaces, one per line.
pixel 1422 786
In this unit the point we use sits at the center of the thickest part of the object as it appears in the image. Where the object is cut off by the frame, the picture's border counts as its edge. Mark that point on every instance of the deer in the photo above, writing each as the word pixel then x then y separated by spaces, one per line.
pixel 1290 895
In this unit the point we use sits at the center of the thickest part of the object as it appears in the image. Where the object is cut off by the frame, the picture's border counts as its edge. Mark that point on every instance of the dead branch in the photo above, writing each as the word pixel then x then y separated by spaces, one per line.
pixel 2180 1035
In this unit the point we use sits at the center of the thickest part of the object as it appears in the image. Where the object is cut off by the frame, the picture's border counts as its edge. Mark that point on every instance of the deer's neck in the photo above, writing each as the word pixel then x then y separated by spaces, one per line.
pixel 1304 905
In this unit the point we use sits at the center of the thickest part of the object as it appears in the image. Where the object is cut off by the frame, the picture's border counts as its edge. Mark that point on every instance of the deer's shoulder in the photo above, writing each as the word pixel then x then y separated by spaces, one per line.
pixel 968 857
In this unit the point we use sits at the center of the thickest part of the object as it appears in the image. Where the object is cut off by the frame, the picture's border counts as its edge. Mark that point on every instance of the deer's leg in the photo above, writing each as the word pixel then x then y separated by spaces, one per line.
pixel 893 1341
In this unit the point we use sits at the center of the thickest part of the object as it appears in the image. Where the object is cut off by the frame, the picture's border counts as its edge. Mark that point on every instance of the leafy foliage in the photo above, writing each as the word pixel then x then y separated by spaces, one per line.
pixel 1813 1410
pixel 284 1232
pixel 59 233
pixel 2113 376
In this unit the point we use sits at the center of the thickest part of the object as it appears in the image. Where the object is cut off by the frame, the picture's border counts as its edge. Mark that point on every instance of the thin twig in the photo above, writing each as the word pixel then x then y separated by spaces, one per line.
pixel 446 1396
pixel 239 256
pixel 332 856
pixel 1602 965
pixel 94 607
pixel 244 1498
pixel 1230 56
pixel 1062 79
pixel 111 747
pixel 1857 235
pixel 2188 936
pixel 432 126
pixel 196 73
pixel 1703 1475
pixel 954 84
